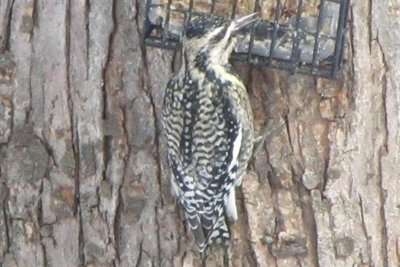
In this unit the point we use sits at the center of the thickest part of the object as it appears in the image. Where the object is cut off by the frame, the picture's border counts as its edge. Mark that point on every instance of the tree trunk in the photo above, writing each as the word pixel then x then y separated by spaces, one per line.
pixel 83 174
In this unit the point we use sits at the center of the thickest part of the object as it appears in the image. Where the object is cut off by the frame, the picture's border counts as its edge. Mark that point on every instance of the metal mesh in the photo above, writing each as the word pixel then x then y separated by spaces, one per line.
pixel 300 36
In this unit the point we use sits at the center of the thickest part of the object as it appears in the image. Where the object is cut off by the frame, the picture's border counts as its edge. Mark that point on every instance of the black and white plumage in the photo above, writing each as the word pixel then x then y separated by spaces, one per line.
pixel 208 125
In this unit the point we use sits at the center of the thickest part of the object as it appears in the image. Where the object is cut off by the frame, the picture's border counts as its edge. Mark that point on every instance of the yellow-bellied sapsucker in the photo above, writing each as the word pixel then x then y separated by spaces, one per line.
pixel 208 125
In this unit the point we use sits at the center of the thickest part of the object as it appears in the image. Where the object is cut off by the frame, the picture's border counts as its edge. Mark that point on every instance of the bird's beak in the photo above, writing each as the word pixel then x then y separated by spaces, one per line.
pixel 241 23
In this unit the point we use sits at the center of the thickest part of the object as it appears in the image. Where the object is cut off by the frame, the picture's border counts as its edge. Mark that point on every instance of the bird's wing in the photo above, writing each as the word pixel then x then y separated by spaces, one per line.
pixel 208 151
pixel 204 139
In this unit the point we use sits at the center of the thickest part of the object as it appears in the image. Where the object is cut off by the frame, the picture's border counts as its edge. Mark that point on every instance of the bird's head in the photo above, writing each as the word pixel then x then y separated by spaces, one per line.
pixel 213 36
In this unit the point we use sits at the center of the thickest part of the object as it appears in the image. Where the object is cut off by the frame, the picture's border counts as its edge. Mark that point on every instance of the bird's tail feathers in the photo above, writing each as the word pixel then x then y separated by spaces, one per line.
pixel 208 230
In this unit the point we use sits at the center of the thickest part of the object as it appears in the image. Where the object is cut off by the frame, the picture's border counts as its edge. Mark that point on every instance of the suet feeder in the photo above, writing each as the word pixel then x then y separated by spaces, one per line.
pixel 300 36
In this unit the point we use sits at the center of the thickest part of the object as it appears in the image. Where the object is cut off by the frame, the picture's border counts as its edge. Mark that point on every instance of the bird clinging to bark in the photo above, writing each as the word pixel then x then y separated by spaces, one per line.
pixel 208 125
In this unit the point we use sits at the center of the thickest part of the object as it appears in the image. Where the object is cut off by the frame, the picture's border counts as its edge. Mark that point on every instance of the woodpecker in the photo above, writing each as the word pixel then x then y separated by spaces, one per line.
pixel 208 126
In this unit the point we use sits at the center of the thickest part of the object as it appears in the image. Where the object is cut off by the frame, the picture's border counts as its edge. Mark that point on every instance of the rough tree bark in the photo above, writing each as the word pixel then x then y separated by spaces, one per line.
pixel 83 179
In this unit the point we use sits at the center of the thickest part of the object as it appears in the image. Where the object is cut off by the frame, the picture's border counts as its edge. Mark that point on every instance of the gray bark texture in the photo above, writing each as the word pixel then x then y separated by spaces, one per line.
pixel 83 173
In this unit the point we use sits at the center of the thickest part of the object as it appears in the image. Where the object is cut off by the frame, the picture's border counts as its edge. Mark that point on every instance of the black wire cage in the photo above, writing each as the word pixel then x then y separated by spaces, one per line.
pixel 300 36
